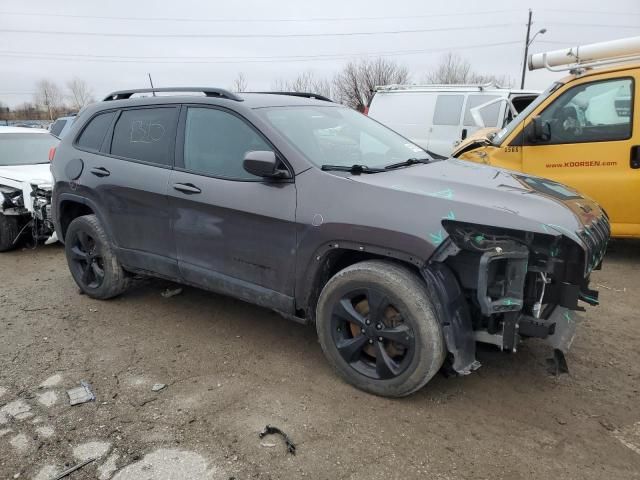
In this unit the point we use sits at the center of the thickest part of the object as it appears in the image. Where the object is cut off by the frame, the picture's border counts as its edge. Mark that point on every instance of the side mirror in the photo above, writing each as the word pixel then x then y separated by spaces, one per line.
pixel 541 130
pixel 263 164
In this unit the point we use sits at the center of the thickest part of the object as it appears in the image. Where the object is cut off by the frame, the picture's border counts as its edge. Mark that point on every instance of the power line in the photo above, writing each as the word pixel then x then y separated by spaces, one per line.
pixel 213 60
pixel 244 35
pixel 568 24
pixel 251 20
pixel 588 12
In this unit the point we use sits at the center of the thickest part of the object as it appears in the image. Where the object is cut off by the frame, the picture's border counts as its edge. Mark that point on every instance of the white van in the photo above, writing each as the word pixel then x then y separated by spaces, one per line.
pixel 438 117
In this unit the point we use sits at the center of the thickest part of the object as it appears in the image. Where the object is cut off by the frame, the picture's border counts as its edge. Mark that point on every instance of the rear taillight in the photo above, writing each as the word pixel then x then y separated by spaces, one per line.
pixel 52 153
pixel 366 110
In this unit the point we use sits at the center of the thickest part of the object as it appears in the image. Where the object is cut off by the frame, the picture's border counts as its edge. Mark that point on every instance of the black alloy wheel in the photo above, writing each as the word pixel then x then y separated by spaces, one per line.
pixel 371 335
pixel 87 261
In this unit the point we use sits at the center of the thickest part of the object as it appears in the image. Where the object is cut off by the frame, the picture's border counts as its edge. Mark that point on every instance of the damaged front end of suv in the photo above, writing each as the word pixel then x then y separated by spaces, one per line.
pixel 500 286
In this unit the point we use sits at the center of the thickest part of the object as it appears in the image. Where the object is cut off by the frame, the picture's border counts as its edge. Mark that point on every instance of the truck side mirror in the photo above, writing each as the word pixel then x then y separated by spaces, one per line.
pixel 541 130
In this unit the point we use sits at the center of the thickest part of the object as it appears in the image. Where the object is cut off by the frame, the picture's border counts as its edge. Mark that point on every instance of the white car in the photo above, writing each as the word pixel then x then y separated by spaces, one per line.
pixel 25 185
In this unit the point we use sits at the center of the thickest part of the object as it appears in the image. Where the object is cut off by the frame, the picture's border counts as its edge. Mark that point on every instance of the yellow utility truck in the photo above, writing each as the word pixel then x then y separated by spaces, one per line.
pixel 583 131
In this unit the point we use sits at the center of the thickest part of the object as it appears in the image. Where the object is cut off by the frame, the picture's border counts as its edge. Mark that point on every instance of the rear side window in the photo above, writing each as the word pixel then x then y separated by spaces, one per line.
pixel 145 134
pixel 448 109
pixel 93 134
pixel 215 143
pixel 57 127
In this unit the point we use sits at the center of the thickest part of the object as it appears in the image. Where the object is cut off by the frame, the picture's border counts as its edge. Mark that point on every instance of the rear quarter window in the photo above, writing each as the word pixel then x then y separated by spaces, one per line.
pixel 145 134
pixel 94 133
pixel 57 127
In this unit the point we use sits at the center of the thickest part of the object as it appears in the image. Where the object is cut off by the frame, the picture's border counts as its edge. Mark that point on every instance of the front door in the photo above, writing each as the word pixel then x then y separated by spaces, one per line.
pixel 591 146
pixel 235 233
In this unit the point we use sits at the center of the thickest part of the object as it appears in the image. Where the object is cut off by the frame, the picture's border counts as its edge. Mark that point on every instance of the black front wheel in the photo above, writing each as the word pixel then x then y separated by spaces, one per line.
pixel 91 259
pixel 377 326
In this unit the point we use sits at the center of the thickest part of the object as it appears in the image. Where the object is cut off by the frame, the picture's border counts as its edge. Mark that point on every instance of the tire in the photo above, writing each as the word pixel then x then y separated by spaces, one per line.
pixel 92 261
pixel 8 232
pixel 404 313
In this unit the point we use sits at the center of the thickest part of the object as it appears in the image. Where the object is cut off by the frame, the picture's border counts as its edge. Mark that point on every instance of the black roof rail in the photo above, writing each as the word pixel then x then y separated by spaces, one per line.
pixel 299 94
pixel 208 91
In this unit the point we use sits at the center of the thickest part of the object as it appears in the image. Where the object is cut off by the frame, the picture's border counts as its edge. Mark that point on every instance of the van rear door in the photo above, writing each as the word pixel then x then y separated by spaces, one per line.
pixel 588 140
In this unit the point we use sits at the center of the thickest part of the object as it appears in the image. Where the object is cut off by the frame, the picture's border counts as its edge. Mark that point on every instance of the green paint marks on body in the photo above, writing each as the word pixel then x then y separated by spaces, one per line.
pixel 447 193
pixel 450 216
pixel 437 238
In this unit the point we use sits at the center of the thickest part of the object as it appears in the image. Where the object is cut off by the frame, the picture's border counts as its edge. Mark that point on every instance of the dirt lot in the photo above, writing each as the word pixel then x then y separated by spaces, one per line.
pixel 231 368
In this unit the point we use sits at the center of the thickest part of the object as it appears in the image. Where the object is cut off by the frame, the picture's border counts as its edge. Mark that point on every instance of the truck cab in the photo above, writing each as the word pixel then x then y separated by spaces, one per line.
pixel 582 131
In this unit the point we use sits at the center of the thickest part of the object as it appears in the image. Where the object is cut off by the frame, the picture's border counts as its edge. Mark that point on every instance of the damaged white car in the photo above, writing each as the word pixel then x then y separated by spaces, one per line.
pixel 25 186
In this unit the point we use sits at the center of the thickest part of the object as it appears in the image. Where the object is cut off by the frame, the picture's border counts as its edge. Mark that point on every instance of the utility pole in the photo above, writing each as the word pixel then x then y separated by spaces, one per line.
pixel 526 51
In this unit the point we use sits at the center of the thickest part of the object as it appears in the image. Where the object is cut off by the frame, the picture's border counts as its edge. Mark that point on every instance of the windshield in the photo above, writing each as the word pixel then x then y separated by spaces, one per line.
pixel 25 148
pixel 340 136
pixel 506 131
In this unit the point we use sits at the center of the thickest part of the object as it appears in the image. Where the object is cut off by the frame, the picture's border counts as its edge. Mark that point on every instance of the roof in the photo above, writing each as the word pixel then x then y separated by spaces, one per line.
pixel 599 70
pixel 213 96
pixel 4 129
pixel 486 88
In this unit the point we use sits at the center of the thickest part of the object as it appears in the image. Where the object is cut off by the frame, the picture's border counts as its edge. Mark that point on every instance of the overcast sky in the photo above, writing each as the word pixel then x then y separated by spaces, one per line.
pixel 208 42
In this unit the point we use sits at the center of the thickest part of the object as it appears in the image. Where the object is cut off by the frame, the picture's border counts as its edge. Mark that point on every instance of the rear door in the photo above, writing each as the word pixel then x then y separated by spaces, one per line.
pixel 593 146
pixel 446 128
pixel 130 176
pixel 235 233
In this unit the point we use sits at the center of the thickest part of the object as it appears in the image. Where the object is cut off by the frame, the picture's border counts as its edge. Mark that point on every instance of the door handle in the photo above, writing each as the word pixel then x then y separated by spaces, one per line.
pixel 100 172
pixel 635 157
pixel 464 133
pixel 187 188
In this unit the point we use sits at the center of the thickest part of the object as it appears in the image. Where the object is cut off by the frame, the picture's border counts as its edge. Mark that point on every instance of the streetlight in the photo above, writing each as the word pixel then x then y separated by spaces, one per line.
pixel 528 42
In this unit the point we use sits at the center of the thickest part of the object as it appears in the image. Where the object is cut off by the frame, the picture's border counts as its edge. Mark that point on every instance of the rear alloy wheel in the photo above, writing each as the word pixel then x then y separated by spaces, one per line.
pixel 91 259
pixel 376 325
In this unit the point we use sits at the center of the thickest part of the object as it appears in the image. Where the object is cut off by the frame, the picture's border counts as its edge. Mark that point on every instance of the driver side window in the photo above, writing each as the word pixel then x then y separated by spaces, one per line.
pixel 592 112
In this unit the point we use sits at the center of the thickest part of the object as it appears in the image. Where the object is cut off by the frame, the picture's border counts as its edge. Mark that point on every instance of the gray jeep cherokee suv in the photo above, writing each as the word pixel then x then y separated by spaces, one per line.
pixel 311 209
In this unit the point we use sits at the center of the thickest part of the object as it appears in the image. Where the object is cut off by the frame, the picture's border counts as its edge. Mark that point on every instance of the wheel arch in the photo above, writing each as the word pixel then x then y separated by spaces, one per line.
pixel 72 206
pixel 335 256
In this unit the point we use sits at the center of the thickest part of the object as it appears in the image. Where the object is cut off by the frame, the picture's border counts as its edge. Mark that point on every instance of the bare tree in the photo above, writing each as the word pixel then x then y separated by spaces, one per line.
pixel 239 83
pixel 79 93
pixel 306 82
pixel 48 97
pixel 355 84
pixel 455 69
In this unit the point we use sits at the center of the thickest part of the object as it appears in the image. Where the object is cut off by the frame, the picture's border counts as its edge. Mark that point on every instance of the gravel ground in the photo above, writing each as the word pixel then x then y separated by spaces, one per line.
pixel 231 368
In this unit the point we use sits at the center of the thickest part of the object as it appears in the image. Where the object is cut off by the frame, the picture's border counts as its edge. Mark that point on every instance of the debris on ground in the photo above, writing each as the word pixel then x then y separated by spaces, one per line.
pixel 73 469
pixel 81 394
pixel 171 292
pixel 158 386
pixel 268 445
pixel 270 430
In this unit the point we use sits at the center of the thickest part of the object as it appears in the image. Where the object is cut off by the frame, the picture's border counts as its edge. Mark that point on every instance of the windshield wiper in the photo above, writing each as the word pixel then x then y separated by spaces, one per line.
pixel 356 169
pixel 407 162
